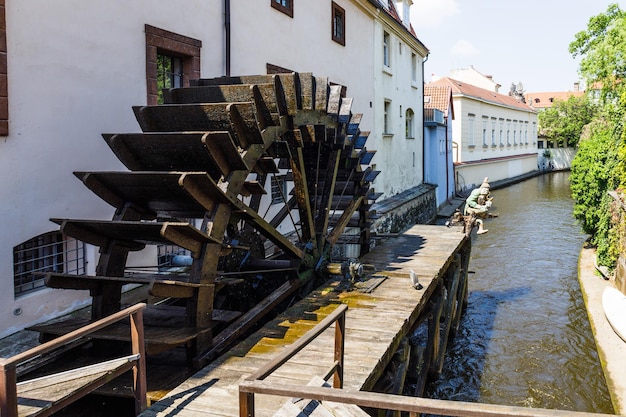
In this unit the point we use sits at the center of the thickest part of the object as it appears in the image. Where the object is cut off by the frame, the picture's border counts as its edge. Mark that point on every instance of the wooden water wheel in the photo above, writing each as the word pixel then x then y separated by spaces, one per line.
pixel 196 179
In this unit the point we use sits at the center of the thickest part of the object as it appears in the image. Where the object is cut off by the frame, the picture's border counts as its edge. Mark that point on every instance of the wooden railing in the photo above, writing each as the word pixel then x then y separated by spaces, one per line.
pixel 249 387
pixel 136 362
pixel 255 384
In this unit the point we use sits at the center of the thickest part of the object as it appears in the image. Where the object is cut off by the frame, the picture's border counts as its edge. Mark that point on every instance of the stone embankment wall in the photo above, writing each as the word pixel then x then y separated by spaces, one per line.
pixel 417 205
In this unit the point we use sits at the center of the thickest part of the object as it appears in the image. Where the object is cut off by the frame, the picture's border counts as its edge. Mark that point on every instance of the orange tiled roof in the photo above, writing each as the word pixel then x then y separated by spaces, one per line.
pixel 468 90
pixel 546 100
pixel 438 97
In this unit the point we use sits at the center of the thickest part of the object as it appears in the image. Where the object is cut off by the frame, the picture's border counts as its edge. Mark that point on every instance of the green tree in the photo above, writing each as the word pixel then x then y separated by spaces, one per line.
pixel 565 120
pixel 602 48
pixel 592 175
pixel 599 165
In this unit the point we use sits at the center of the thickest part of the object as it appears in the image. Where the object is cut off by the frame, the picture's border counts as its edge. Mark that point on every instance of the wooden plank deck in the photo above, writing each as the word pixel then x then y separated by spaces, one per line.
pixel 376 322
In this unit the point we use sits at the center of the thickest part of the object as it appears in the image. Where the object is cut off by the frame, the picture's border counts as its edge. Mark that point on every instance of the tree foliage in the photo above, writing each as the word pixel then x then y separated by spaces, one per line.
pixel 565 120
pixel 592 174
pixel 602 48
pixel 599 165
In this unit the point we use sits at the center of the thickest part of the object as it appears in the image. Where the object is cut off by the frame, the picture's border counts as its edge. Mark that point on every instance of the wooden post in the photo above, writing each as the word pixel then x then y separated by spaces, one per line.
pixel 340 332
pixel 8 390
pixel 246 404
pixel 139 369
pixel 434 327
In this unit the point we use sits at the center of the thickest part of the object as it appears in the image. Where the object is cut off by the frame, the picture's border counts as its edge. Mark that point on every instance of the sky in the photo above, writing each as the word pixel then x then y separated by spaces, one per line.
pixel 513 41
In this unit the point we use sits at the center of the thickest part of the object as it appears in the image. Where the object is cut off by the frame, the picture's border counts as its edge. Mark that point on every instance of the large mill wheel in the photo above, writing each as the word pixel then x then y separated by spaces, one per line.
pixel 196 179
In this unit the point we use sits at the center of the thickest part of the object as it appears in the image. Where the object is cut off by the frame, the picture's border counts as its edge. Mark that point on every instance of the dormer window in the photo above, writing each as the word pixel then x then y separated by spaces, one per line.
pixel 404 9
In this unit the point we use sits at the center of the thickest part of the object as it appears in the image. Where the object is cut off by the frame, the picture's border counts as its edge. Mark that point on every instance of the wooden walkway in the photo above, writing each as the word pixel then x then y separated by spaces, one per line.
pixel 376 322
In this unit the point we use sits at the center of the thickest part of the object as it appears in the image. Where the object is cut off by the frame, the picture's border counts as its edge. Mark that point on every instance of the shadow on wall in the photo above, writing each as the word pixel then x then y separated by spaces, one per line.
pixel 555 158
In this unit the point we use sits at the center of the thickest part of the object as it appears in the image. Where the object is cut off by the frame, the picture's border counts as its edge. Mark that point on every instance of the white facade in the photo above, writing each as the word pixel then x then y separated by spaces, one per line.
pixel 472 76
pixel 398 86
pixel 75 68
pixel 494 135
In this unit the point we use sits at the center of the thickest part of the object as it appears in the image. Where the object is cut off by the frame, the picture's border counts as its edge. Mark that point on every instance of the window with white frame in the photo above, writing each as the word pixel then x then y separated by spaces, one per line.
pixel 493 132
pixel 471 130
pixel 387 118
pixel 386 50
pixel 508 133
pixel 48 252
pixel 410 130
pixel 526 133
pixel 413 68
pixel 484 131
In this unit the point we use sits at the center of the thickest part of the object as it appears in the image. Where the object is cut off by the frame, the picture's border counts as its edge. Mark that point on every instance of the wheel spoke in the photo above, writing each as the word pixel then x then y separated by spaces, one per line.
pixel 326 198
pixel 301 190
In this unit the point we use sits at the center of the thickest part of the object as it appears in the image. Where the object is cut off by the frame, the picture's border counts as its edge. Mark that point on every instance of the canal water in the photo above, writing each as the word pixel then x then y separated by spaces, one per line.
pixel 525 339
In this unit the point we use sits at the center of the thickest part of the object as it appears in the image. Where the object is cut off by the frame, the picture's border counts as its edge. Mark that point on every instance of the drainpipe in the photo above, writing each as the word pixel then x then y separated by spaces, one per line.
pixel 447 167
pixel 455 150
pixel 227 33
pixel 423 117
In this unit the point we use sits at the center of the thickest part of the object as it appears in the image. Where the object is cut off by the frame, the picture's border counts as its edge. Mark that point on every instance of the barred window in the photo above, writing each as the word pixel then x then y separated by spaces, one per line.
pixel 279 189
pixel 170 256
pixel 172 60
pixel 49 252
pixel 169 73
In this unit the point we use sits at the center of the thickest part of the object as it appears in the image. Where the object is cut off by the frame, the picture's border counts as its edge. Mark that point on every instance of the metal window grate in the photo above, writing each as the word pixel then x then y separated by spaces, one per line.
pixel 279 189
pixel 169 256
pixel 49 252
pixel 169 73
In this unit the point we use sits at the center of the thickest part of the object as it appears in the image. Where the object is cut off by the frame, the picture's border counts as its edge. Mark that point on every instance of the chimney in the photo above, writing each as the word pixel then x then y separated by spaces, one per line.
pixel 576 86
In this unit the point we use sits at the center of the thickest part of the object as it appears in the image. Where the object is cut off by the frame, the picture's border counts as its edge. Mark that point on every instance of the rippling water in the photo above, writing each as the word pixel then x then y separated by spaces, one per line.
pixel 525 338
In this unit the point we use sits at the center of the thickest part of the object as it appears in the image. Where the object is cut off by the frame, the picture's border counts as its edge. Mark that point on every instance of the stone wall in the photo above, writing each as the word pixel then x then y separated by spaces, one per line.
pixel 417 205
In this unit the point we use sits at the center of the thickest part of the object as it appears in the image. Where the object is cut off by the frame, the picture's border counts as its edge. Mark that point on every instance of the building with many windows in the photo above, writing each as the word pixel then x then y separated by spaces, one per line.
pixel 72 71
pixel 493 135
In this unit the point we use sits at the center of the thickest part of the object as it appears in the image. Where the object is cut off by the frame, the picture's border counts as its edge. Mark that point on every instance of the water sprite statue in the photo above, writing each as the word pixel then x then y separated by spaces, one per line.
pixel 477 205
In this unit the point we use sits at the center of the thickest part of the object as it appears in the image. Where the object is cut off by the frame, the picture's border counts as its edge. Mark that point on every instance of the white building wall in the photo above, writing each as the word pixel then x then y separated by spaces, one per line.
pixel 400 159
pixel 518 138
pixel 304 44
pixel 560 158
pixel 471 176
pixel 473 77
pixel 75 68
